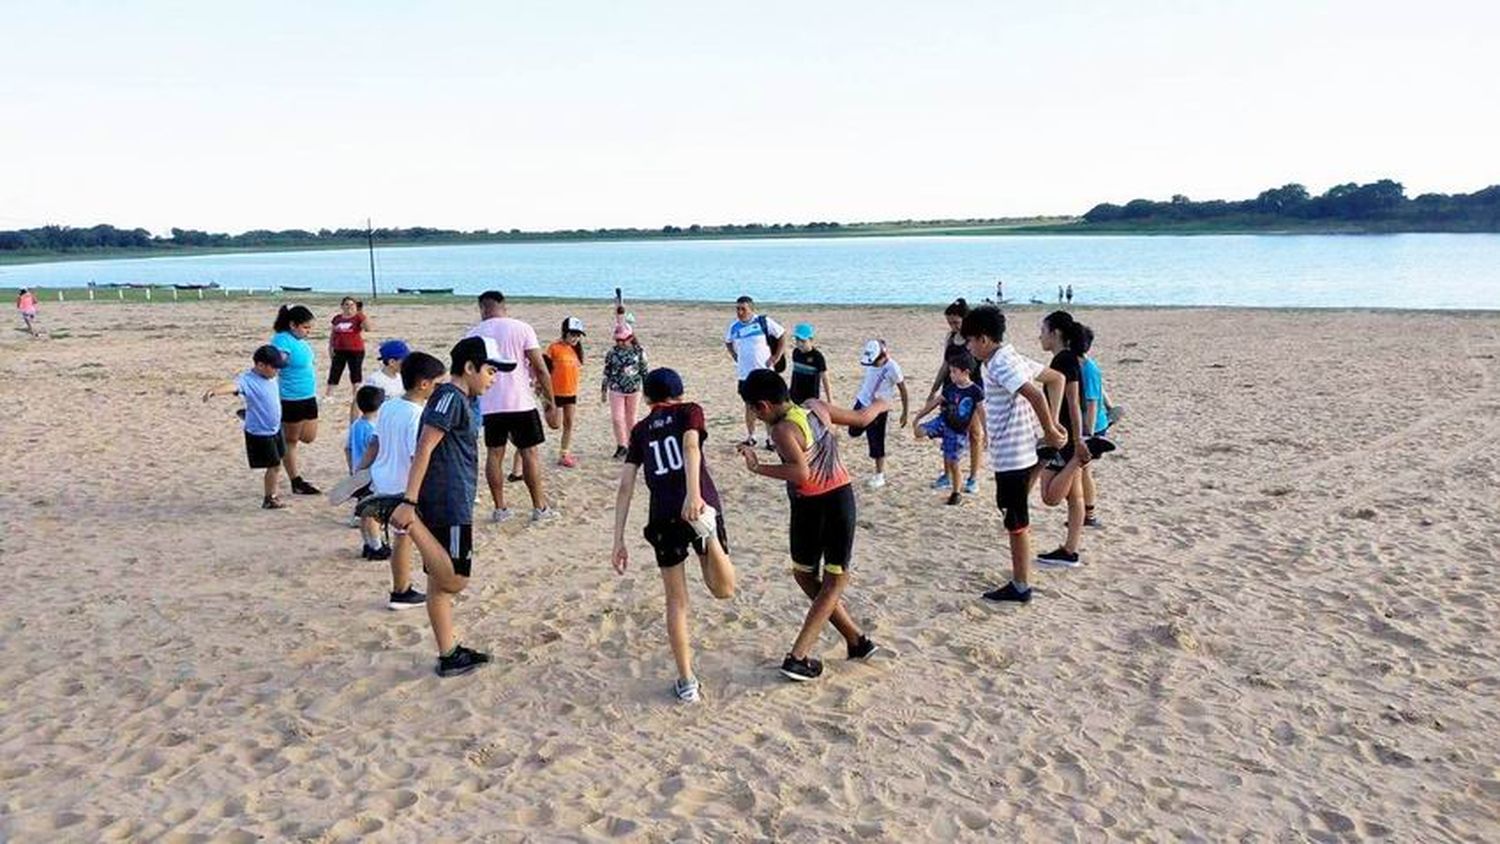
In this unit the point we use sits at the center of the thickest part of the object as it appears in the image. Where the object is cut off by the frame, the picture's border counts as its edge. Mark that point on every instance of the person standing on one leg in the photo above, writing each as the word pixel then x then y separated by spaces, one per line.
pixel 1062 478
pixel 685 511
pixel 954 315
pixel 299 390
pixel 510 410
pixel 882 377
pixel 821 531
pixel 754 341
pixel 441 487
pixel 1095 421
pixel 1015 416
pixel 264 444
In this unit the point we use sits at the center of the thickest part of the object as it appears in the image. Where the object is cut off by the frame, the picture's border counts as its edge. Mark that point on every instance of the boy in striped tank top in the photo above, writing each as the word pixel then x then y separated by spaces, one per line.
pixel 822 508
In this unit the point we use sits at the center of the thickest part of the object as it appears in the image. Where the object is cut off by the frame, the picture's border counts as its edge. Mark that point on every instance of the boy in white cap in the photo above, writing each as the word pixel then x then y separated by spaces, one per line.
pixel 882 377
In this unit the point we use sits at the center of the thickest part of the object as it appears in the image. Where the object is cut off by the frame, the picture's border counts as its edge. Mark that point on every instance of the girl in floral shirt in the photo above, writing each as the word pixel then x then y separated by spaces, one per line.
pixel 624 370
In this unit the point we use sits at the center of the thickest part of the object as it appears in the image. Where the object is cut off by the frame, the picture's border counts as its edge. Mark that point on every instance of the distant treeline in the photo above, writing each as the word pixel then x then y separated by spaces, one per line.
pixel 1376 207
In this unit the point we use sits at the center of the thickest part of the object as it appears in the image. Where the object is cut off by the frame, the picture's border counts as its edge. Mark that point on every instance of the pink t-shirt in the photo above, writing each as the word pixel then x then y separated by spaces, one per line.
pixel 512 391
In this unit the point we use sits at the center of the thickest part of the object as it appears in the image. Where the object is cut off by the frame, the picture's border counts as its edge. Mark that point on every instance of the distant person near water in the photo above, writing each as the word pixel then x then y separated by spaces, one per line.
pixel 821 529
pixel 265 445
pixel 1059 294
pixel 954 315
pixel 1070 294
pixel 754 342
pixel 685 511
pixel 299 389
pixel 26 304
pixel 509 404
pixel 346 344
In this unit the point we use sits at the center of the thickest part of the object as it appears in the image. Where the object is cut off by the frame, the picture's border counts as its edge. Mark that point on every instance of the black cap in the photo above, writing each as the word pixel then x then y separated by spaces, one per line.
pixel 271 355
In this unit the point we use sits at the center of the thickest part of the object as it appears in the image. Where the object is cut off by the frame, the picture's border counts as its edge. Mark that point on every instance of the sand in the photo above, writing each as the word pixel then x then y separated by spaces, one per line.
pixel 1286 630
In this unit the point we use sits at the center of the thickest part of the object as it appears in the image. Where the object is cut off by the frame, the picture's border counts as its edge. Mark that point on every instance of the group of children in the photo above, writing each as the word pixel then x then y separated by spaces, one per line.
pixel 1039 423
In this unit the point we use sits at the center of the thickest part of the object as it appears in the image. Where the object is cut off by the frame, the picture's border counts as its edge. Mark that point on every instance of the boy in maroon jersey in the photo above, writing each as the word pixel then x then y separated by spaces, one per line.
pixel 685 510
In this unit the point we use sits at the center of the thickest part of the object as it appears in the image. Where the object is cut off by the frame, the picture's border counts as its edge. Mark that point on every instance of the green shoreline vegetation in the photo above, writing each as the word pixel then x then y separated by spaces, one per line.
pixel 1380 207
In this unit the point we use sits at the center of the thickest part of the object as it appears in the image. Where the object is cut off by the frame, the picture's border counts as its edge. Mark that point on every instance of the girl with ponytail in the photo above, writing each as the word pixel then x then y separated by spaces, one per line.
pixel 299 389
pixel 1062 478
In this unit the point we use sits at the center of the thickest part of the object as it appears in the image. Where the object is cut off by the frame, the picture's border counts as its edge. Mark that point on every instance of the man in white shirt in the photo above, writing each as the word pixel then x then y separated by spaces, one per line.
pixel 509 406
pixel 754 342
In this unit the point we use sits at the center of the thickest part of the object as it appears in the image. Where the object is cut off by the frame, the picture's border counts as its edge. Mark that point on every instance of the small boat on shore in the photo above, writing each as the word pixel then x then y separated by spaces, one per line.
pixel 213 285
pixel 294 289
pixel 426 291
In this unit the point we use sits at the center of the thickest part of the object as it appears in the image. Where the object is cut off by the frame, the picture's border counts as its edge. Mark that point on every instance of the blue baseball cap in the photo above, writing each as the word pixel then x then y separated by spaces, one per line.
pixel 394 350
pixel 803 331
pixel 662 384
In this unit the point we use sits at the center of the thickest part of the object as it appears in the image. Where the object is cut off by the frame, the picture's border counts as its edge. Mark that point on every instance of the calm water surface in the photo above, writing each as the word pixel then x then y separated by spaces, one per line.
pixel 1387 271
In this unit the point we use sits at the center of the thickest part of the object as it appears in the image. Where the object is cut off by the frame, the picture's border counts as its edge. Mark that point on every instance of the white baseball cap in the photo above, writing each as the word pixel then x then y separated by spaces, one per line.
pixel 574 324
pixel 873 350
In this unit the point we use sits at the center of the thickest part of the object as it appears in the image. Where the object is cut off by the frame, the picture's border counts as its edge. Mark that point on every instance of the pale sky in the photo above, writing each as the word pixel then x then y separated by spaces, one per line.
pixel 497 115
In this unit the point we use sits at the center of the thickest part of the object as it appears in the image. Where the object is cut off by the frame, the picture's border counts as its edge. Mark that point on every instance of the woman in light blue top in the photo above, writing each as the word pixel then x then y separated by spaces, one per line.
pixel 299 389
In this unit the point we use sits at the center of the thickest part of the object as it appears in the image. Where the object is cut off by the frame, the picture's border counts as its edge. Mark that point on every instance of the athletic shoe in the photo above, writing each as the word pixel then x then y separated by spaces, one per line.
pixel 686 690
pixel 353 521
pixel 1061 558
pixel 750 441
pixel 1098 446
pixel 876 481
pixel 301 487
pixel 543 514
pixel 567 461
pixel 707 523
pixel 381 553
pixel 801 670
pixel 954 498
pixel 971 486
pixel 461 661
pixel 770 446
pixel 1009 592
pixel 861 650
pixel 1092 521
pixel 500 514
pixel 410 599
pixel 514 478
pixel 942 482
pixel 271 502
pixel 620 452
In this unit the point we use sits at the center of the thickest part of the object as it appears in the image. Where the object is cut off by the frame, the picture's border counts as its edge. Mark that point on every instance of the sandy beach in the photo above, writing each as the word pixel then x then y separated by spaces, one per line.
pixel 1286 629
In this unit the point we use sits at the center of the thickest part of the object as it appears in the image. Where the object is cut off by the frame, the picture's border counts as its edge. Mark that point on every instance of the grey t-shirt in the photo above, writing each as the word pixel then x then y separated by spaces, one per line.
pixel 447 496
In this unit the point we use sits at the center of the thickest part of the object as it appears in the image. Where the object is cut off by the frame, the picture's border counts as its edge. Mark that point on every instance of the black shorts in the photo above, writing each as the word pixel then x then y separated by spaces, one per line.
pixel 874 433
pixel 564 401
pixel 522 428
pixel 354 360
pixel 459 542
pixel 822 531
pixel 672 538
pixel 1012 494
pixel 264 451
pixel 298 410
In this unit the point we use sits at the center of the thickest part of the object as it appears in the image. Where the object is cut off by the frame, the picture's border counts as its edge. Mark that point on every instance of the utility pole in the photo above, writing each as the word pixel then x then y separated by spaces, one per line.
pixel 370 239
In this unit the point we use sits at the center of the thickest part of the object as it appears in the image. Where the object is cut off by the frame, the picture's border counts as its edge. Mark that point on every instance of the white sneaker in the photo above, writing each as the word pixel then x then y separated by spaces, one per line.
pixel 876 481
pixel 500 514
pixel 543 514
pixel 687 690
pixel 707 523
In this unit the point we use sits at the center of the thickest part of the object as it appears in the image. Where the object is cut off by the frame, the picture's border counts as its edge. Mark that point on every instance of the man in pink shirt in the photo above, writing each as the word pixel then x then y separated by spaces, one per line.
pixel 509 406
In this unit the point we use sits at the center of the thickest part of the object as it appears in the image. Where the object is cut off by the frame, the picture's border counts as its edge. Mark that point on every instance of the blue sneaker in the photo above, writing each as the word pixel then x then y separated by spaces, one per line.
pixel 971 486
pixel 942 482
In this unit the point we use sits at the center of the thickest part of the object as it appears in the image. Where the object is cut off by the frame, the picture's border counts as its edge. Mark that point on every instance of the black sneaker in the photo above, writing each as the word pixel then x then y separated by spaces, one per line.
pixel 513 477
pixel 461 661
pixel 1009 592
pixel 954 498
pixel 271 502
pixel 801 670
pixel 1061 558
pixel 411 599
pixel 301 487
pixel 861 650
pixel 381 553
pixel 1092 521
pixel 364 552
pixel 620 452
pixel 1098 446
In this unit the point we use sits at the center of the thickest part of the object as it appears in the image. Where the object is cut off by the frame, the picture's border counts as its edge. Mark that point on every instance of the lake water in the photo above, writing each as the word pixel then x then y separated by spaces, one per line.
pixel 1386 271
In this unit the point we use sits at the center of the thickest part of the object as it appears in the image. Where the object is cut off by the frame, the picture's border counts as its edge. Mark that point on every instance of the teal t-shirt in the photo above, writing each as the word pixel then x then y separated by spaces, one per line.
pixel 1093 390
pixel 298 381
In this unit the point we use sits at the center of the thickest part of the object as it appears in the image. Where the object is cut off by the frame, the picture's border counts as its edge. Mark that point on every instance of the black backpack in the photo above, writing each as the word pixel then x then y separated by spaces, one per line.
pixel 774 343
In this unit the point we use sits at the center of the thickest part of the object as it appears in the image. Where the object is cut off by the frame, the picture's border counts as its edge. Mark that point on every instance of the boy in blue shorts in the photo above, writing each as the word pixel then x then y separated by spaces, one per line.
pixel 437 509
pixel 958 399
pixel 685 510
pixel 264 445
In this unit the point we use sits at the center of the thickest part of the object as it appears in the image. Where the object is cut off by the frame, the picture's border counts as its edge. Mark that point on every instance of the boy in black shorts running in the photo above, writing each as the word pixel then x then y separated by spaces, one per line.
pixel 822 508
pixel 441 486
pixel 685 510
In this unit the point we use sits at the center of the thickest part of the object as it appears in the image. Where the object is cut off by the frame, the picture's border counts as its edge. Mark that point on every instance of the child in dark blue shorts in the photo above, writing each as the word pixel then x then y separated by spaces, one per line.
pixel 957 402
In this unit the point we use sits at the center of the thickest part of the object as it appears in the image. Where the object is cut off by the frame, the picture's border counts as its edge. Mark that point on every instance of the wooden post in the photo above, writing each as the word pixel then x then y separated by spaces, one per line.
pixel 200 293
pixel 148 294
pixel 59 296
pixel 121 291
pixel 91 294
pixel 174 294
